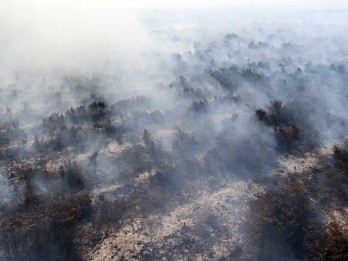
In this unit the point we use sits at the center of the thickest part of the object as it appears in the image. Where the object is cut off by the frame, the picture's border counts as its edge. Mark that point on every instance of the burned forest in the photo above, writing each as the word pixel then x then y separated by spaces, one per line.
pixel 173 133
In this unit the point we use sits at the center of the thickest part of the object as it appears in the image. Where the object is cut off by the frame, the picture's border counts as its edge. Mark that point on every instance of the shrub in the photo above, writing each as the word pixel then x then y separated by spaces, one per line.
pixel 228 78
pixel 199 107
pixel 53 122
pixel 282 221
pixel 98 110
pixel 78 115
pixel 337 178
pixel 340 157
pixel 183 142
pixel 340 67
pixel 43 232
pixel 162 179
pixel 61 138
pixel 133 161
pixel 10 131
pixel 73 176
pixel 287 135
pixel 336 245
pixel 251 75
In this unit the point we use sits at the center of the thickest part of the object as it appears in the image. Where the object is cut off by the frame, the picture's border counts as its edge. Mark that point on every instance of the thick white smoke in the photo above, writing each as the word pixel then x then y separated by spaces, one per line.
pixel 70 36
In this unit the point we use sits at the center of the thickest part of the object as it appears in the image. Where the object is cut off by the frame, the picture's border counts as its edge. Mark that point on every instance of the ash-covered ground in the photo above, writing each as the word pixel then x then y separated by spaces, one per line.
pixel 174 135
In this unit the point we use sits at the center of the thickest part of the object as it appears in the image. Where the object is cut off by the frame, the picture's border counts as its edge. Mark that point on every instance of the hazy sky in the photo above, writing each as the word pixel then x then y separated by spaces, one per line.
pixel 220 3
pixel 52 29
pixel 180 4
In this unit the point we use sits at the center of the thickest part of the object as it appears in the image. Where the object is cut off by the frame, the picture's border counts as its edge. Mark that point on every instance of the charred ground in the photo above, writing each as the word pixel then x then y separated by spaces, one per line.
pixel 239 154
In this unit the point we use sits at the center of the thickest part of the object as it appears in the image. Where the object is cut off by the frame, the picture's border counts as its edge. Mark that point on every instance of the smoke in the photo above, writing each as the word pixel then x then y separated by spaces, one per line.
pixel 197 71
pixel 99 95
pixel 66 37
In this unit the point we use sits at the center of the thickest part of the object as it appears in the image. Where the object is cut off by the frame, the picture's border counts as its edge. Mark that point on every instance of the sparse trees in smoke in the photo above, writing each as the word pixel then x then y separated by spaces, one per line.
pixel 184 142
pixel 73 175
pixel 149 142
pixel 118 145
pixel 290 127
pixel 339 67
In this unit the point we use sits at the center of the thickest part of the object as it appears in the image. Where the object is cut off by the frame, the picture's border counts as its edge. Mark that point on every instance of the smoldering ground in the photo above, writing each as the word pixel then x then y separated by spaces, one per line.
pixel 155 131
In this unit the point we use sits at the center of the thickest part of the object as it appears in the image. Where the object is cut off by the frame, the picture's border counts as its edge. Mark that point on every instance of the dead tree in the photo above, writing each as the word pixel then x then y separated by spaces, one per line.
pixel 93 161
